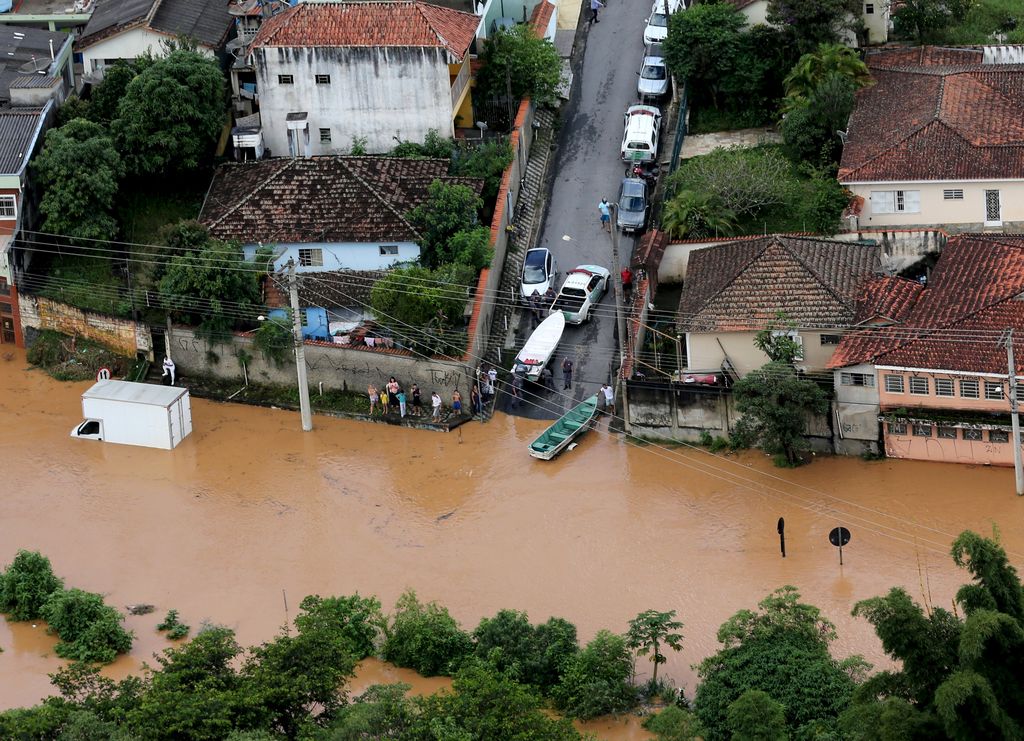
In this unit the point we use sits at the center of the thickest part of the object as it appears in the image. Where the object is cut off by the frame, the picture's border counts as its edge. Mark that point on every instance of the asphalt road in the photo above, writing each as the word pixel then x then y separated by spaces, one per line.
pixel 586 169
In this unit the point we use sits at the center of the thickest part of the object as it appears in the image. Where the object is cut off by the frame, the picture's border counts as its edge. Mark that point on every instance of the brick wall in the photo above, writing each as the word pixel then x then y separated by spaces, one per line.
pixel 121 335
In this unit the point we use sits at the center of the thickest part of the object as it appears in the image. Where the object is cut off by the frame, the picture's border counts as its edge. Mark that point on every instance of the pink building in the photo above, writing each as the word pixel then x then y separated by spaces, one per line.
pixel 935 357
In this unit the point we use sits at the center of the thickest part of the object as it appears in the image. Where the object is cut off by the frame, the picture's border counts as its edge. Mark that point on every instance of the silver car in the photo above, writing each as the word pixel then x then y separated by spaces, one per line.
pixel 653 82
pixel 632 205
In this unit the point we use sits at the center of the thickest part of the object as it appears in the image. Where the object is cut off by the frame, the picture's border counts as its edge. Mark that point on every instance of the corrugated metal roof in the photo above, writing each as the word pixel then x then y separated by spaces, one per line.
pixel 206 21
pixel 16 128
pixel 136 393
pixel 109 16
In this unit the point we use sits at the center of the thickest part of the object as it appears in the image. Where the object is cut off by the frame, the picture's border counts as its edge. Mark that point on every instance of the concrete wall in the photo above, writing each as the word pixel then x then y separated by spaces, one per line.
pixel 122 335
pixel 336 367
pixel 375 93
pixel 704 353
pixel 341 255
pixel 855 413
pixel 984 452
pixel 900 248
pixel 955 215
pixel 877 22
pixel 128 45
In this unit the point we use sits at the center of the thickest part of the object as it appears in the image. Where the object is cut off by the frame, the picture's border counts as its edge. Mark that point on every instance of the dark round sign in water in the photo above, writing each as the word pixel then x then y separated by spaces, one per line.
pixel 839 536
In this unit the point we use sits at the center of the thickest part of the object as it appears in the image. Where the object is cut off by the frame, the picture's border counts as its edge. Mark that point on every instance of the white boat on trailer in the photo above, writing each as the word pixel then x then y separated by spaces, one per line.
pixel 539 347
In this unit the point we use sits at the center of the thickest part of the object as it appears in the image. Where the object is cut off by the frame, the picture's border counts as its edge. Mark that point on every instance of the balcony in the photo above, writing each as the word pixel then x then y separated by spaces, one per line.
pixel 459 84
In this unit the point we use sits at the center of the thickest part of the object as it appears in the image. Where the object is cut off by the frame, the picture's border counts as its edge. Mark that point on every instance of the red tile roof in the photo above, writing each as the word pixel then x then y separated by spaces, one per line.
pixel 886 300
pixel 398 23
pixel 744 284
pixel 953 323
pixel 936 114
pixel 321 199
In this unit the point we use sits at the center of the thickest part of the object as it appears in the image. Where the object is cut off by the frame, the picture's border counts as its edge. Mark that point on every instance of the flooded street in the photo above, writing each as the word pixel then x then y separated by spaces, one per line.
pixel 249 513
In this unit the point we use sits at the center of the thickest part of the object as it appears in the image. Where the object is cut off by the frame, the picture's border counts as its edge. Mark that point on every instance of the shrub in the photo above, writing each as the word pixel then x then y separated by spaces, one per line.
pixel 742 181
pixel 359 619
pixel 176 629
pixel 425 637
pixel 26 585
pixel 534 655
pixel 596 680
pixel 672 724
pixel 274 340
pixel 89 630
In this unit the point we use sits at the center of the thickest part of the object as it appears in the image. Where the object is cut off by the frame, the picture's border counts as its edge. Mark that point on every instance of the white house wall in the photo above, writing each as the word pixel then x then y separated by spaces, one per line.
pixel 374 93
pixel 128 45
pixel 967 214
pixel 341 255
pixel 704 351
pixel 876 23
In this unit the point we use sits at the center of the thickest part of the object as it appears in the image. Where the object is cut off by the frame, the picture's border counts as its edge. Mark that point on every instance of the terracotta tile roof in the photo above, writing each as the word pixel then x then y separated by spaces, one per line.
pixel 936 114
pixel 744 284
pixel 333 199
pixel 396 23
pixel 886 300
pixel 974 294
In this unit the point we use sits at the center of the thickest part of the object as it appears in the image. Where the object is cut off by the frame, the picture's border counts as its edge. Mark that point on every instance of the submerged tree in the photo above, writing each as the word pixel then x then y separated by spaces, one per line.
pixel 651 629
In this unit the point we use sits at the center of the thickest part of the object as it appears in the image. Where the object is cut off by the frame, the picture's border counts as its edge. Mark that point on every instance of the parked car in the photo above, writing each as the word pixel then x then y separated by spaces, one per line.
pixel 581 291
pixel 657 24
pixel 641 125
pixel 538 272
pixel 653 82
pixel 632 216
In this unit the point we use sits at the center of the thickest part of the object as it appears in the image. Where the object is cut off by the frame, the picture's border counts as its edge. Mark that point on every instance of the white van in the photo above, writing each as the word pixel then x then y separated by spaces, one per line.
pixel 641 125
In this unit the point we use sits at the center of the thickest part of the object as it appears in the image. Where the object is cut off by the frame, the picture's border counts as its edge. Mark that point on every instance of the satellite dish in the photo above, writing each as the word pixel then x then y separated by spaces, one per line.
pixel 36 65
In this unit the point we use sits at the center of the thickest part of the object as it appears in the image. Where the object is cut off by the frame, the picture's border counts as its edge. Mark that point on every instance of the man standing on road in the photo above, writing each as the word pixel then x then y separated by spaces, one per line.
pixel 567 372
pixel 594 5
pixel 603 207
pixel 435 405
pixel 609 399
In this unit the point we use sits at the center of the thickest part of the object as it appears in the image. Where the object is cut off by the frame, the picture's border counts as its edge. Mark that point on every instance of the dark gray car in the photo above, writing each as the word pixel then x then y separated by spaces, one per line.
pixel 633 205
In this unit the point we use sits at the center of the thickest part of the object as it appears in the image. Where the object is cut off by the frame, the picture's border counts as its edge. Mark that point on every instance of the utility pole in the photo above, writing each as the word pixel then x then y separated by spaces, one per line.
pixel 300 350
pixel 620 316
pixel 1018 467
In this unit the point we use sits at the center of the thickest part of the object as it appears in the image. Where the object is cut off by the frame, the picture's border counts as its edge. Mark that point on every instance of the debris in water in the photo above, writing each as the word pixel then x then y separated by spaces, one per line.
pixel 139 609
pixel 445 517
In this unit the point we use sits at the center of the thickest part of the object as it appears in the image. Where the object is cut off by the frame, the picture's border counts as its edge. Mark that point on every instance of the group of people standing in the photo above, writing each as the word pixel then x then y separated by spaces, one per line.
pixel 391 397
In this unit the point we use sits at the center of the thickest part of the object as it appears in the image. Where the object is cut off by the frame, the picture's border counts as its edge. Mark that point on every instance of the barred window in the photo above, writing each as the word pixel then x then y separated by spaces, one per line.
pixel 922 430
pixel 972 434
pixel 919 386
pixel 969 389
pixel 953 194
pixel 947 433
pixel 322 79
pixel 993 390
pixel 857 379
pixel 894 384
pixel 998 436
pixel 285 80
pixel 897 428
pixel 944 387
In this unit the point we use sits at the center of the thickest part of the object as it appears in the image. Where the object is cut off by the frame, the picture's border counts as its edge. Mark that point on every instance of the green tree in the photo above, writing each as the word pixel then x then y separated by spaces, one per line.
pixel 108 94
pixel 78 170
pixel 210 286
pixel 810 131
pixel 486 160
pixel 755 716
pixel 471 247
pixel 89 630
pixel 815 68
pixel 171 114
pixel 358 619
pixel 823 201
pixel 425 637
pixel 691 214
pixel 195 692
pixel 381 712
pixel 484 704
pixel 782 650
pixel 519 59
pixel 672 724
pixel 744 181
pixel 961 673
pixel 813 22
pixel 926 20
pixel 26 585
pixel 651 629
pixel 533 655
pixel 702 48
pixel 450 208
pixel 596 680
pixel 776 403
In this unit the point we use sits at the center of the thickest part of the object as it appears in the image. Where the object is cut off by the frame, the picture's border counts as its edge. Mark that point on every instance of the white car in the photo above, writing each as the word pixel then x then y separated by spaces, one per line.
pixel 582 290
pixel 538 273
pixel 641 126
pixel 657 24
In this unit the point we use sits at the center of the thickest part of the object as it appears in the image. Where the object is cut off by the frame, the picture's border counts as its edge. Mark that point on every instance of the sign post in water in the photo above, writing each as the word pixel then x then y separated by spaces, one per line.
pixel 782 535
pixel 839 536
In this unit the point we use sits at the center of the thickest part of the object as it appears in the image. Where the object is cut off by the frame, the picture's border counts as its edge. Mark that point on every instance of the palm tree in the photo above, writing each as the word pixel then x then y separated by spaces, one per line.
pixel 695 215
pixel 813 69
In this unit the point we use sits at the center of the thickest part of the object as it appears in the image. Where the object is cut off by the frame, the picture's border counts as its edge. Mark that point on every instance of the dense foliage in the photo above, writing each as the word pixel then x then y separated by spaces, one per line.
pixel 425 637
pixel 532 654
pixel 596 681
pixel 812 22
pixel 89 630
pixel 450 209
pixel 519 60
pixel 26 585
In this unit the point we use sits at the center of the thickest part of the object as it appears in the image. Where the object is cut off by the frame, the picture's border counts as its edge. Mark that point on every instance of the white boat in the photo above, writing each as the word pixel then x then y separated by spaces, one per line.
pixel 540 347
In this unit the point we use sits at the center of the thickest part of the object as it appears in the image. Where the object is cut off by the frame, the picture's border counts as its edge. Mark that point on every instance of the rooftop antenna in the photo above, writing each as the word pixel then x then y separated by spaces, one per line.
pixel 844 136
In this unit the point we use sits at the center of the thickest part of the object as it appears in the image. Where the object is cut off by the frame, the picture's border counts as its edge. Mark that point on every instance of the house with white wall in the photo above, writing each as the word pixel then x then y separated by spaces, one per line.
pixel 127 29
pixel 737 288
pixel 937 140
pixel 874 15
pixel 325 213
pixel 330 73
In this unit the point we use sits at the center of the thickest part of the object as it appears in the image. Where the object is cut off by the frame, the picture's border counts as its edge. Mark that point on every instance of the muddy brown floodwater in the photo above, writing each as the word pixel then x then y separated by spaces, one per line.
pixel 249 510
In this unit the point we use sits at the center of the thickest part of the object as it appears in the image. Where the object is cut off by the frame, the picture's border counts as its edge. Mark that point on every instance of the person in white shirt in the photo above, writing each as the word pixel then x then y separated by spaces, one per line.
pixel 609 398
pixel 169 369
pixel 435 403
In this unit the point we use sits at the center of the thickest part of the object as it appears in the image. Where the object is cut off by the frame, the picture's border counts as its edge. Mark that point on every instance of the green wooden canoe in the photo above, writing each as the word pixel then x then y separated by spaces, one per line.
pixel 569 426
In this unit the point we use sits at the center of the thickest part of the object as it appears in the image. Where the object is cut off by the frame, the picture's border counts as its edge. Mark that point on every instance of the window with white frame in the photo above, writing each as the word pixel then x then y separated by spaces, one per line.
pixel 897 428
pixel 322 79
pixel 953 194
pixel 311 257
pixel 1020 390
pixel 893 384
pixel 998 436
pixel 919 386
pixel 944 387
pixel 969 390
pixel 857 379
pixel 8 207
pixel 869 8
pixel 285 80
pixel 389 250
pixel 895 201
pixel 993 390
pixel 972 434
pixel 922 430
